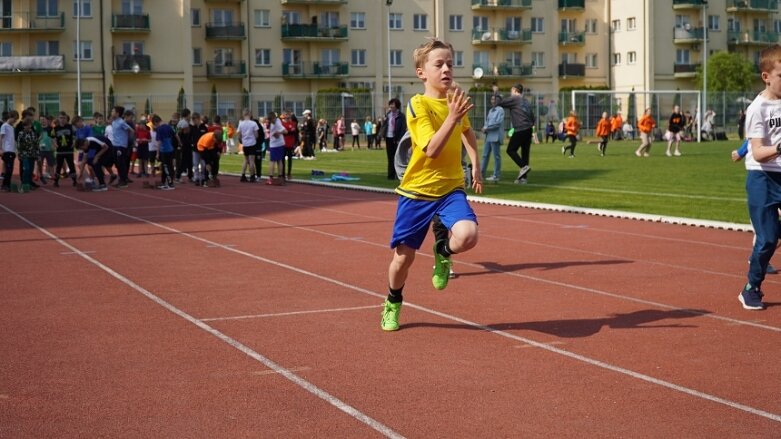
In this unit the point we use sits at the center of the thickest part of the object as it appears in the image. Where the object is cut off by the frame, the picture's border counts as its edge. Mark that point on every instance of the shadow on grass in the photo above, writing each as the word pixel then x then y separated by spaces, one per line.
pixel 578 328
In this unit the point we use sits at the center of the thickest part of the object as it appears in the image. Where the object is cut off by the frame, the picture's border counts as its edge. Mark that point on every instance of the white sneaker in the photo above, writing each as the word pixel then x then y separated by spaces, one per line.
pixel 492 179
pixel 525 170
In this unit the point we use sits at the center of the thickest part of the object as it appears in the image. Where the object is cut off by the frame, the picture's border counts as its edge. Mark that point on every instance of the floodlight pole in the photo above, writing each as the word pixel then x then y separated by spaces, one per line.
pixel 78 57
pixel 704 58
pixel 390 85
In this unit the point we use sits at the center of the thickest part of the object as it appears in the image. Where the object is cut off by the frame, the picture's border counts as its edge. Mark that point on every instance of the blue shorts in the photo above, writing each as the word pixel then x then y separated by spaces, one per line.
pixel 413 217
pixel 277 154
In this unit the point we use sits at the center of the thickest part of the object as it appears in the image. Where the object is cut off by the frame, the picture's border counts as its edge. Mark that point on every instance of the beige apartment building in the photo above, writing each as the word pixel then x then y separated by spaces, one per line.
pixel 225 54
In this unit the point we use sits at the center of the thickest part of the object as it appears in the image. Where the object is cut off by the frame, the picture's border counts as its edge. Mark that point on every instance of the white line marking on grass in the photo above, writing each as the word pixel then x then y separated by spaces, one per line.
pixel 304 384
pixel 647 194
pixel 552 349
pixel 291 313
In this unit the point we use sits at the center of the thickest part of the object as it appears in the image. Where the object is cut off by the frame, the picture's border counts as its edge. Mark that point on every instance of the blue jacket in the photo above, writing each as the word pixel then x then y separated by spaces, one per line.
pixel 494 125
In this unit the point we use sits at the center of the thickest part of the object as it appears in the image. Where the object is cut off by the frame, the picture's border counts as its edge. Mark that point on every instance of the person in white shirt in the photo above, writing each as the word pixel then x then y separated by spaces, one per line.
pixel 276 147
pixel 8 143
pixel 355 131
pixel 248 133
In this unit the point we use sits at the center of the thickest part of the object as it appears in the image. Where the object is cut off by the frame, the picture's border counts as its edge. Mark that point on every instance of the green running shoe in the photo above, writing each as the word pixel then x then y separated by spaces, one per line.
pixel 441 270
pixel 390 316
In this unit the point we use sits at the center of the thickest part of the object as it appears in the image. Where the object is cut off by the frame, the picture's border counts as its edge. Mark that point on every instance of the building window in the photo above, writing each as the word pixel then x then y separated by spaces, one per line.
pixel 515 59
pixel 263 57
pixel 395 58
pixel 329 19
pixel 538 25
pixel 132 7
pixel 631 57
pixel 6 102
pixel 458 58
pixel 358 57
pixel 264 108
pixel 46 8
pixel 132 47
pixel 395 21
pixel 47 48
pixel 197 56
pixel 714 22
pixel 195 17
pixel 358 20
pixel 291 17
pixel 480 23
pixel 86 8
pixel 48 103
pixel 631 23
pixel 591 26
pixel 615 25
pixel 682 56
pixel 591 60
pixel 616 59
pixel 330 57
pixel 538 60
pixel 5 48
pixel 481 59
pixel 513 24
pixel 420 22
pixel 262 18
pixel 85 50
pixel 776 26
pixel 87 104
pixel 456 23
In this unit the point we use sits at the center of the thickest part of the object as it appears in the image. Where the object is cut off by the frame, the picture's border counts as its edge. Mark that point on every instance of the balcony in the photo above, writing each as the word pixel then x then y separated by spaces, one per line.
pixel 225 31
pixel 25 65
pixel 572 70
pixel 132 64
pixel 311 32
pixel 505 70
pixel 572 5
pixel 683 35
pixel 491 5
pixel 688 4
pixel 130 23
pixel 754 38
pixel 315 70
pixel 685 70
pixel 313 2
pixel 762 6
pixel 501 36
pixel 572 38
pixel 28 22
pixel 227 70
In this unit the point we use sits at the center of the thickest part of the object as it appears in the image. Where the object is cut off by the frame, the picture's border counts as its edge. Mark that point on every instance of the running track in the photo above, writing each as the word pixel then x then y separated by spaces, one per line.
pixel 253 311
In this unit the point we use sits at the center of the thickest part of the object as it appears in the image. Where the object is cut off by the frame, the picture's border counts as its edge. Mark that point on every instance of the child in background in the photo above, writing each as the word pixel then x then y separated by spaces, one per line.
pixel 143 136
pixel 645 125
pixel 433 183
pixel 27 147
pixel 45 151
pixel 154 148
pixel 572 127
pixel 603 132
pixel 276 147
pixel 95 150
pixel 165 138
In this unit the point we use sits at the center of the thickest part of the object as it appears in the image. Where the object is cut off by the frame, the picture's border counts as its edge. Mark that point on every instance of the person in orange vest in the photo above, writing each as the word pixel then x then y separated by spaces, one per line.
pixel 603 132
pixel 210 146
pixel 616 124
pixel 572 127
pixel 645 125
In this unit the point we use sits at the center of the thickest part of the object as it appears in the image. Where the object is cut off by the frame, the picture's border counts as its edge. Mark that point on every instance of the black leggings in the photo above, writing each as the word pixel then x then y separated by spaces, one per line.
pixel 520 139
pixel 573 142
pixel 63 159
pixel 167 168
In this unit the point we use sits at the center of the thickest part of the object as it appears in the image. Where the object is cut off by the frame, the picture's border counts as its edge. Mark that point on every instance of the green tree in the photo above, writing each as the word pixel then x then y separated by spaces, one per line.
pixel 728 72
pixel 111 99
pixel 180 100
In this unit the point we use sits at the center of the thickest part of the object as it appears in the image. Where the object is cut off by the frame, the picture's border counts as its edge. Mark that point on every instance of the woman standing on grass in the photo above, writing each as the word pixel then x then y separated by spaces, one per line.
pixel 646 126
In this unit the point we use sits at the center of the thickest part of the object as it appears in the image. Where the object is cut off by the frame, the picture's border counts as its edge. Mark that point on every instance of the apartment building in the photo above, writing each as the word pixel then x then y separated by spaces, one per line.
pixel 230 53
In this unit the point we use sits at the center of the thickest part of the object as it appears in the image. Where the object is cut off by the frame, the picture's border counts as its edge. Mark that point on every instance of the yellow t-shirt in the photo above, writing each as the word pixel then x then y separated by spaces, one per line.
pixel 425 177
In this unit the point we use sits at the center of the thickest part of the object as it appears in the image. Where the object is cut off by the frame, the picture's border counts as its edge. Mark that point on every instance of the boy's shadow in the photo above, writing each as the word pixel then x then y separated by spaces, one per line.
pixel 493 267
pixel 576 328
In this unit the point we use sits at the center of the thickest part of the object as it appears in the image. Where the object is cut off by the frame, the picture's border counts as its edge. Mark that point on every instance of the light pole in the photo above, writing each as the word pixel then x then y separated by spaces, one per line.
pixel 704 58
pixel 78 57
pixel 390 85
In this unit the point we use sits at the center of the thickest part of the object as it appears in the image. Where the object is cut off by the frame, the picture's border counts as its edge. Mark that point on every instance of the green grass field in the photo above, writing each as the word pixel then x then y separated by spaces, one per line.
pixel 703 184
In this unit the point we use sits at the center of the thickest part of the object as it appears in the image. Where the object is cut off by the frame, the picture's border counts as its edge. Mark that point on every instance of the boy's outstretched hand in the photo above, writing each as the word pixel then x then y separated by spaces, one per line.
pixel 458 103
pixel 477 180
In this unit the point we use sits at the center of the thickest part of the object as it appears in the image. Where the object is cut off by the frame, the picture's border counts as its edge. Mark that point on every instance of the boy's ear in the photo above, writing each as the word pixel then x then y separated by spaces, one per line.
pixel 765 77
pixel 420 73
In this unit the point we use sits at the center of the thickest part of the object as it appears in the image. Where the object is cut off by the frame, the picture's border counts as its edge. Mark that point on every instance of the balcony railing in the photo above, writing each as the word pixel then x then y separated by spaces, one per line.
pixel 29 22
pixel 505 70
pixel 688 4
pixel 130 22
pixel 230 31
pixel 685 70
pixel 501 4
pixel 32 64
pixel 759 38
pixel 572 38
pixel 132 64
pixel 313 2
pixel 567 70
pixel 682 35
pixel 313 32
pixel 501 36
pixel 226 70
pixel 752 6
pixel 572 4
pixel 309 70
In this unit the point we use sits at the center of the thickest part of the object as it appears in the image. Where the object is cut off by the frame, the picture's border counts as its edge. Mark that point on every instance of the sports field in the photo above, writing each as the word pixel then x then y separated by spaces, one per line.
pixel 703 184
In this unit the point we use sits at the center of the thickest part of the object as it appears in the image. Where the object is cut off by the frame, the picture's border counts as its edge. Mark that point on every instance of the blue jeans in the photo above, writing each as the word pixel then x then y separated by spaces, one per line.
pixel 492 148
pixel 28 163
pixel 764 199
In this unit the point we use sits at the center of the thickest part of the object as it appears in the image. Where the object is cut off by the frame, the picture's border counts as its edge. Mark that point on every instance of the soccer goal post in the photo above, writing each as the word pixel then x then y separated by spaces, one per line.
pixel 590 104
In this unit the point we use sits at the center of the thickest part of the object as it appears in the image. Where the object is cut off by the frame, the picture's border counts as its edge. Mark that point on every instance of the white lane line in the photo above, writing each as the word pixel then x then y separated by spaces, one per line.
pixel 272 372
pixel 86 252
pixel 304 384
pixel 647 194
pixel 291 313
pixel 730 320
pixel 552 349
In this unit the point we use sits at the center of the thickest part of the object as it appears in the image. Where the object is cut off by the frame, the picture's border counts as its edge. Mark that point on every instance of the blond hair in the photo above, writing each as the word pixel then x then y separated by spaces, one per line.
pixel 768 58
pixel 420 54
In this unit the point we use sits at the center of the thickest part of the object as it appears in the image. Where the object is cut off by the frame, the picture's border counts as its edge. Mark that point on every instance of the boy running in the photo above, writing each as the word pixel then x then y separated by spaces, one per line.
pixel 434 181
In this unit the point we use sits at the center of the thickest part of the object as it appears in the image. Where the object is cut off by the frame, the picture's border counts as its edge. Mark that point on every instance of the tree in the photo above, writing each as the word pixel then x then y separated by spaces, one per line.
pixel 180 100
pixel 213 100
pixel 111 99
pixel 728 72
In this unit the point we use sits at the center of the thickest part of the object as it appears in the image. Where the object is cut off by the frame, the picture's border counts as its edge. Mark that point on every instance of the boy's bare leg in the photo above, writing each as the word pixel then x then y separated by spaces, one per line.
pixel 463 236
pixel 398 270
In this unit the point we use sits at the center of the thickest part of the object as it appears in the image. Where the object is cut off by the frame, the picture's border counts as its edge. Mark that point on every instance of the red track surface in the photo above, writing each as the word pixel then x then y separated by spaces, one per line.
pixel 253 311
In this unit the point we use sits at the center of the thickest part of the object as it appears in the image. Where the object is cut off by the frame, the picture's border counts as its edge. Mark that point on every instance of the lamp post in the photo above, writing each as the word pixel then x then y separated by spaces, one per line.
pixel 704 58
pixel 390 85
pixel 78 57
